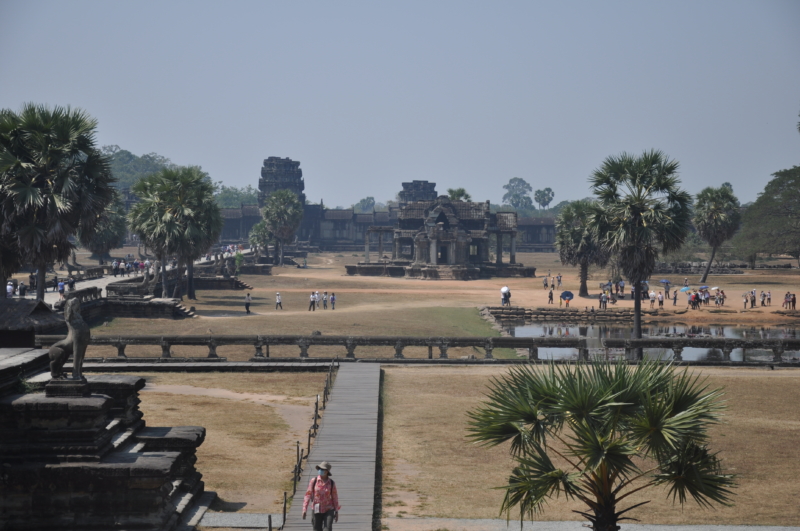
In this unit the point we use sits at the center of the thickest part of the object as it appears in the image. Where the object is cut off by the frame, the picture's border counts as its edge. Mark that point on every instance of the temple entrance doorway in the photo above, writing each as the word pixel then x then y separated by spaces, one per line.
pixel 442 258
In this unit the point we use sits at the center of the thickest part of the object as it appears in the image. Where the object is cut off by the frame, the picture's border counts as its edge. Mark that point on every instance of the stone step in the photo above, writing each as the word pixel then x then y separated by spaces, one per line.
pixel 192 517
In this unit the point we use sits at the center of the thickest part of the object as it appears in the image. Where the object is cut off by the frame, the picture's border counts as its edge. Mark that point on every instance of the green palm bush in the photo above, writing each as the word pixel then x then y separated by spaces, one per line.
pixel 600 433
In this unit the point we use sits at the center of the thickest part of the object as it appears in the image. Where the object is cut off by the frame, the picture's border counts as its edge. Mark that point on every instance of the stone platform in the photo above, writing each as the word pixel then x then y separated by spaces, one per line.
pixel 80 456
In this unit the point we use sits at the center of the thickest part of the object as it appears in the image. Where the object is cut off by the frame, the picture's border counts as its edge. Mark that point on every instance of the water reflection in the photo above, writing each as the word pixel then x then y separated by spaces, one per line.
pixel 594 333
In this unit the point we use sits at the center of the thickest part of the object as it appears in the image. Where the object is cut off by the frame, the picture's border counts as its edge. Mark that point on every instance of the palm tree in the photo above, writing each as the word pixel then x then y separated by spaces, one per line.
pixel 458 194
pixel 282 215
pixel 54 182
pixel 260 236
pixel 177 214
pixel 717 217
pixel 640 212
pixel 577 242
pixel 600 433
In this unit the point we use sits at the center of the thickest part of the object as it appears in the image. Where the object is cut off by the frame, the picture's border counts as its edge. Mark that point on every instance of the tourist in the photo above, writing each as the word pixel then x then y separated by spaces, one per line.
pixel 317 298
pixel 558 278
pixel 675 298
pixel 22 289
pixel 333 301
pixel 744 300
pixel 553 283
pixel 9 290
pixel 769 298
pixel 753 299
pixel 278 301
pixel 325 300
pixel 722 297
pixel 61 290
pixel 312 303
pixel 602 301
pixel 71 283
pixel 794 301
pixel 508 297
pixel 247 300
pixel 652 299
pixel 660 300
pixel 550 297
pixel 763 298
pixel 685 282
pixel 323 498
pixel 55 283
pixel 544 282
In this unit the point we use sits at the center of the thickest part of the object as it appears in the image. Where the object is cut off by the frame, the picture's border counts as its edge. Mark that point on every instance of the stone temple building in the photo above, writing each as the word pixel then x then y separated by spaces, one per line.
pixel 342 230
pixel 444 239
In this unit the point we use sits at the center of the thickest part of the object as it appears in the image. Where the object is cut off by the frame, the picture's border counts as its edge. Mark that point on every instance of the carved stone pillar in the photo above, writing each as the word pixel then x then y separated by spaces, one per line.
pixel 259 346
pixel 121 350
pixel 165 353
pixel 350 345
pixel 499 254
pixel 398 349
pixel 366 247
pixel 777 353
pixel 212 349
pixel 451 255
pixel 489 347
pixel 443 346
pixel 303 344
pixel 395 248
pixel 533 353
pixel 726 353
pixel 677 353
pixel 380 246
pixel 513 258
pixel 434 252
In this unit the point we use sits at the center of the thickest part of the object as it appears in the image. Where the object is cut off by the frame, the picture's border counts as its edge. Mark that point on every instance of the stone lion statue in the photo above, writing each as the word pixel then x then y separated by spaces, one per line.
pixel 73 345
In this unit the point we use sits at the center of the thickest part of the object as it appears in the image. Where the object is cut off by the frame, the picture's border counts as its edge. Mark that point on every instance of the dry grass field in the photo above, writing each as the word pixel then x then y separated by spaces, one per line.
pixel 252 424
pixel 397 306
pixel 429 469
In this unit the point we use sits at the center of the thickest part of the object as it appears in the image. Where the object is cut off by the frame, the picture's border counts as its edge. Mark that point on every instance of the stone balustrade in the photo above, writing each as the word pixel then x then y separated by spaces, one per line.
pixel 435 345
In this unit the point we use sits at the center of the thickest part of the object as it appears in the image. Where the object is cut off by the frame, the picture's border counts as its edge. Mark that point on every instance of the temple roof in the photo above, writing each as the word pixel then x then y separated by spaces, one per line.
pixel 339 214
pixel 28 314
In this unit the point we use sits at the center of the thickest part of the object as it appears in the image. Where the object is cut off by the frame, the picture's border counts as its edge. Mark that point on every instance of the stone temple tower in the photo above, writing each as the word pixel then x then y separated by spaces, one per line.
pixel 280 174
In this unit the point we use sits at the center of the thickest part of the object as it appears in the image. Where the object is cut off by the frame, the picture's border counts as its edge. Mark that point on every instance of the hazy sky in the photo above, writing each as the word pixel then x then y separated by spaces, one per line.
pixel 369 94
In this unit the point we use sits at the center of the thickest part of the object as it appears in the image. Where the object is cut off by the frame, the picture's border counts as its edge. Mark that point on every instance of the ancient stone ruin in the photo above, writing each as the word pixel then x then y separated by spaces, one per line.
pixel 444 239
pixel 80 456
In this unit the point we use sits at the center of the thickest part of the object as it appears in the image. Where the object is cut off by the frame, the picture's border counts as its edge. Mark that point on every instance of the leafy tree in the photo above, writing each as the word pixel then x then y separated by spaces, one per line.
pixel 544 197
pixel 576 241
pixel 260 236
pixel 110 230
pixel 458 194
pixel 176 214
pixel 233 197
pixel 128 168
pixel 772 223
pixel 516 195
pixel 54 182
pixel 641 211
pixel 282 215
pixel 365 205
pixel 717 218
pixel 599 433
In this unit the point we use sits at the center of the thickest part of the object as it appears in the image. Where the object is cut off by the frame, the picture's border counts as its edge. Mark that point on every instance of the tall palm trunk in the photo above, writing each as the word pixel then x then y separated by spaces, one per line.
pixel 637 316
pixel 190 280
pixel 584 274
pixel 708 267
pixel 40 281
pixel 280 242
pixel 164 291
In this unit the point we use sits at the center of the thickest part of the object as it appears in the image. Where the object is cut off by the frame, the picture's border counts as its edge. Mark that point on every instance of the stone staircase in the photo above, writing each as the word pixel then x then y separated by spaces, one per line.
pixel 183 311
pixel 242 285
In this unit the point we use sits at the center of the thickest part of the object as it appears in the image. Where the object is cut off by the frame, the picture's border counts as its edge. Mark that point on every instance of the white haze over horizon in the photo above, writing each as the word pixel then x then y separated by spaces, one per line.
pixel 367 95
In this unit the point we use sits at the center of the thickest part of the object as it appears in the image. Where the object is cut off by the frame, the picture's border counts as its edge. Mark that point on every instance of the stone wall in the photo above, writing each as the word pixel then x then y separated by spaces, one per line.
pixel 100 310
pixel 564 315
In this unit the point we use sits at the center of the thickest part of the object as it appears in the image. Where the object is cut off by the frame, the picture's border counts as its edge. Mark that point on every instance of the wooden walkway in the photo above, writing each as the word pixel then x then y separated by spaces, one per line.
pixel 347 439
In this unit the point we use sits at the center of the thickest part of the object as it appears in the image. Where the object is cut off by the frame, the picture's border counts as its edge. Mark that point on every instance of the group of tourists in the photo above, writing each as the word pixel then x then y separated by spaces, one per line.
pixel 124 267
pixel 505 296
pixel 790 301
pixel 552 282
pixel 315 299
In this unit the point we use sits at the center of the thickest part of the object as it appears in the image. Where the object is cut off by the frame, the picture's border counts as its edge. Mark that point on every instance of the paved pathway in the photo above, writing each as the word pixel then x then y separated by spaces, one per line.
pixel 347 438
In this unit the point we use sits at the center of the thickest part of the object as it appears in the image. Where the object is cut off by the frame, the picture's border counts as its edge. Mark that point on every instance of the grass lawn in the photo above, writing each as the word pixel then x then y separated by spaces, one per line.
pixel 429 469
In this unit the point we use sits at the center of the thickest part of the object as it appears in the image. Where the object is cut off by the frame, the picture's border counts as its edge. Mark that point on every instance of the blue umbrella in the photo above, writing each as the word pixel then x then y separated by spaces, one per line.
pixel 685 288
pixel 567 296
pixel 666 282
pixel 703 287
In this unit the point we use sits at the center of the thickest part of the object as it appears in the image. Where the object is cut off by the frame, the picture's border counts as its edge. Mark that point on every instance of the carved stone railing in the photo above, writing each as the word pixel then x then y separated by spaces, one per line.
pixel 261 344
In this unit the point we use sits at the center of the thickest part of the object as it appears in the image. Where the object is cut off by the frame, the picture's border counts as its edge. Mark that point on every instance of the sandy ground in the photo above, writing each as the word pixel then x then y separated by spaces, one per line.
pixel 431 470
pixel 252 421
